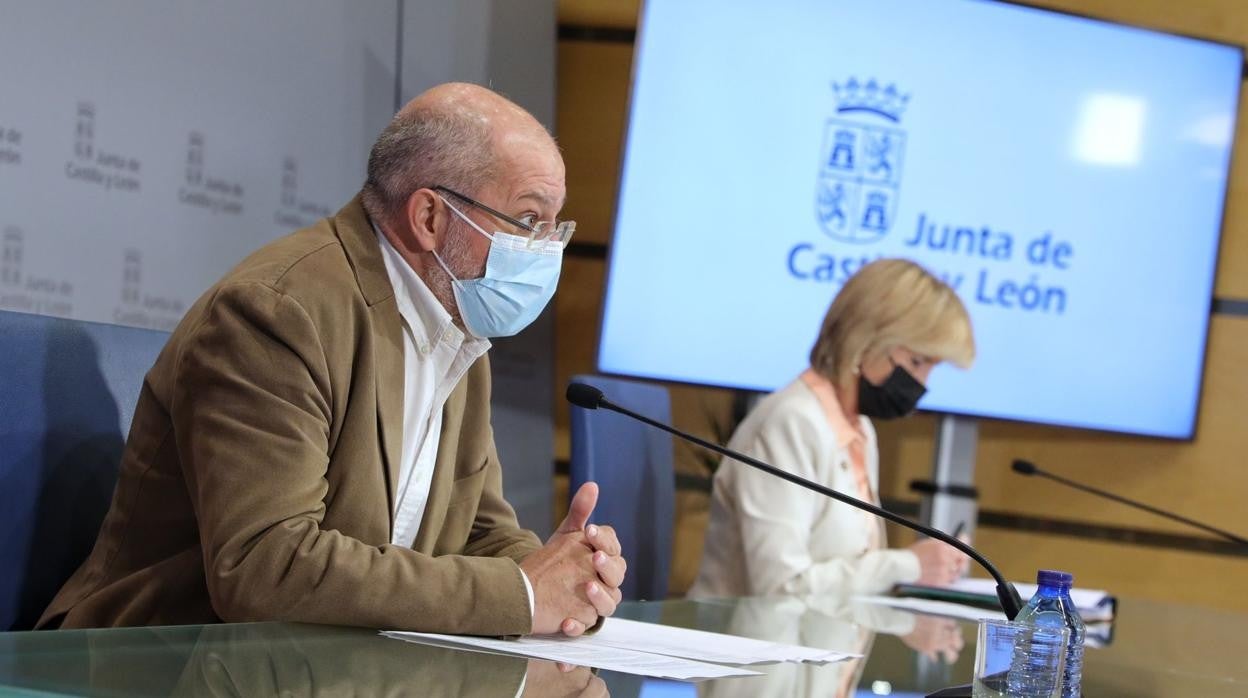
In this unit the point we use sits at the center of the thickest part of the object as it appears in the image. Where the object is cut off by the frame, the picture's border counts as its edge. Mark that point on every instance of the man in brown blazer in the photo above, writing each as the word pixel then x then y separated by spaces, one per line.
pixel 314 444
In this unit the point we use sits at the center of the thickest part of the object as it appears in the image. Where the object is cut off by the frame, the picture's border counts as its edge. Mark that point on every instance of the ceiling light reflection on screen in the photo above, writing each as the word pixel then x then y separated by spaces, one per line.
pixel 1110 130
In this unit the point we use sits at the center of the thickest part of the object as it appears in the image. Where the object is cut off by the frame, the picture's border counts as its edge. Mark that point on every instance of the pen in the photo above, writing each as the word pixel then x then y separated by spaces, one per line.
pixel 957 533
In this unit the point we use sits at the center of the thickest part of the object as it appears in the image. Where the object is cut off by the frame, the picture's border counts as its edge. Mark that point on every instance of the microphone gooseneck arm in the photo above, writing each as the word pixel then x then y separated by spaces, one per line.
pixel 591 398
pixel 1023 467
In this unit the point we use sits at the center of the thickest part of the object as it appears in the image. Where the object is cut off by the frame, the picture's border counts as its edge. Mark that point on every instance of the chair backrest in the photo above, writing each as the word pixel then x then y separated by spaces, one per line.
pixel 67 393
pixel 632 464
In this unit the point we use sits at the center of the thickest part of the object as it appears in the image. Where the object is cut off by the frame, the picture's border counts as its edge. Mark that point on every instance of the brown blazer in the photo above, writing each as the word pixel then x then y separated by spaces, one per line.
pixel 258 481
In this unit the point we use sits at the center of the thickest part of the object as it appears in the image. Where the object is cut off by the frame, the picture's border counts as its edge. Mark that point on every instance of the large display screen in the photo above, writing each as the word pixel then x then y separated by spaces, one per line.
pixel 1065 175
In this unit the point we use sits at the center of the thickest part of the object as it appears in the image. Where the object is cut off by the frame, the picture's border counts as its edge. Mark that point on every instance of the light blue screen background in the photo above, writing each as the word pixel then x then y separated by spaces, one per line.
pixel 717 220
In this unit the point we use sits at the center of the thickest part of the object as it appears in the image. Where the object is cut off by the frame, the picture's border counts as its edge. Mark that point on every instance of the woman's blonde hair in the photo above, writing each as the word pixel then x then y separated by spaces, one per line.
pixel 890 303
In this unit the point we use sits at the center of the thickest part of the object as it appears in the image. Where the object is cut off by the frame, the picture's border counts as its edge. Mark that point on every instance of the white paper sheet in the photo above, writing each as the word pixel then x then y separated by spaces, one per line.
pixel 576 651
pixel 704 646
pixel 937 608
pixel 1093 604
pixel 1099 634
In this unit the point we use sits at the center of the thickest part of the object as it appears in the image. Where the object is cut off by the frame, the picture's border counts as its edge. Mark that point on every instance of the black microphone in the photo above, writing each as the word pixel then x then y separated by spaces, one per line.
pixel 591 398
pixel 585 395
pixel 1023 467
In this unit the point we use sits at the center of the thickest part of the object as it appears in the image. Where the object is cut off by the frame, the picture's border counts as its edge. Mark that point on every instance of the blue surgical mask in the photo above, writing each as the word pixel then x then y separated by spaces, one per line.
pixel 518 283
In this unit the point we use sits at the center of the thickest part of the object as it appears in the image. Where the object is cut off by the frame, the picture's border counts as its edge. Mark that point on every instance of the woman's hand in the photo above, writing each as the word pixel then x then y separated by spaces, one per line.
pixel 939 563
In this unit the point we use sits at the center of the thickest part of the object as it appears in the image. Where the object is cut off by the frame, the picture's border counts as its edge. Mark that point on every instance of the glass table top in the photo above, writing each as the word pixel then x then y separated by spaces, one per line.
pixel 1152 649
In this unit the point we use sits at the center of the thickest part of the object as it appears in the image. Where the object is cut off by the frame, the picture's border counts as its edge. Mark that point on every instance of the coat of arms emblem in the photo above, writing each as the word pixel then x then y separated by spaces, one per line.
pixel 861 159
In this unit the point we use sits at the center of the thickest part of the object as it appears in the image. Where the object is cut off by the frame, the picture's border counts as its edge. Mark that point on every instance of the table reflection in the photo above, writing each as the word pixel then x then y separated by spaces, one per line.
pixel 835 623
pixel 268 659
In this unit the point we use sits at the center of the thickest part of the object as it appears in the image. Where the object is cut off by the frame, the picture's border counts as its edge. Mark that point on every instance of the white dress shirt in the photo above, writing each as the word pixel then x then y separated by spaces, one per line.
pixel 436 355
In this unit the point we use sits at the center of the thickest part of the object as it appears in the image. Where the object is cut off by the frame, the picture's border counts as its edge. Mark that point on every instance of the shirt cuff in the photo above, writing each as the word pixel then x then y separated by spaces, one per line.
pixel 908 568
pixel 528 588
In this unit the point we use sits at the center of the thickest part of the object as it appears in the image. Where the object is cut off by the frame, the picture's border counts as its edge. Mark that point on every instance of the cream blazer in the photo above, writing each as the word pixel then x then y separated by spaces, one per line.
pixel 767 536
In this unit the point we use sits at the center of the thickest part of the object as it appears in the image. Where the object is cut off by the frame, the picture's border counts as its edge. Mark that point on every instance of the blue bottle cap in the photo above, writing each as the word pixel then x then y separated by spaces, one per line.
pixel 1055 578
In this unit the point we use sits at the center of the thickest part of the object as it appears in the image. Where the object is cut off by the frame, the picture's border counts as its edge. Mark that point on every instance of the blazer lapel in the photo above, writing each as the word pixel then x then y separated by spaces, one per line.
pixel 363 251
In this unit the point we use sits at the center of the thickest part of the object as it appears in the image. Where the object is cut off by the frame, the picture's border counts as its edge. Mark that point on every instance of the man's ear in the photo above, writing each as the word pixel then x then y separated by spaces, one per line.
pixel 424 219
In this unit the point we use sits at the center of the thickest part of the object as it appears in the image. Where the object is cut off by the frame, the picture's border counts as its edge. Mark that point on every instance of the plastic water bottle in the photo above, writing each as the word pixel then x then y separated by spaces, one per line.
pixel 1052 607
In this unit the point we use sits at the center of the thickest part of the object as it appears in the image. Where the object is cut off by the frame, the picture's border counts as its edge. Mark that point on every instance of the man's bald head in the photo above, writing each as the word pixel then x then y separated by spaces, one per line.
pixel 474 102
pixel 456 135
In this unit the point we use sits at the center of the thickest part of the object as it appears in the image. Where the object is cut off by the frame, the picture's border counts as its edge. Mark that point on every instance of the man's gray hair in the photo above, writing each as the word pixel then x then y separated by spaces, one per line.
pixel 423 148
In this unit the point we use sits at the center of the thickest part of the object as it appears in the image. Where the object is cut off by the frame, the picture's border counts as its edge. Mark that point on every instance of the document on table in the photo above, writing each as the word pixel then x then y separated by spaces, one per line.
pixel 1093 604
pixel 932 607
pixel 1099 633
pixel 647 649
pixel 576 651
pixel 704 646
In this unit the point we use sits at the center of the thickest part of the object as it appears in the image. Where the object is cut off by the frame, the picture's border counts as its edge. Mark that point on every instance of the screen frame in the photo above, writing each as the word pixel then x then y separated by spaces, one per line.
pixel 1194 427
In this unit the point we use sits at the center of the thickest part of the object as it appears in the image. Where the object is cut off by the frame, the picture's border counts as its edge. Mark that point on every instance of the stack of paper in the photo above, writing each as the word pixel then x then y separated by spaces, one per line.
pixel 934 607
pixel 583 654
pixel 702 645
pixel 1100 633
pixel 646 649
pixel 1093 604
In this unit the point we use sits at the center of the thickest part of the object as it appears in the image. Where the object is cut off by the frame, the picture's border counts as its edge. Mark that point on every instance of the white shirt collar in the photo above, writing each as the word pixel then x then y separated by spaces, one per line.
pixel 428 321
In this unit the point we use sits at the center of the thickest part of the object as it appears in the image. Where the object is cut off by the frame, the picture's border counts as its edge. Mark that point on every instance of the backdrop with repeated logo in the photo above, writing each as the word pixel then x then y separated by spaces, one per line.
pixel 146 147
pixel 147 155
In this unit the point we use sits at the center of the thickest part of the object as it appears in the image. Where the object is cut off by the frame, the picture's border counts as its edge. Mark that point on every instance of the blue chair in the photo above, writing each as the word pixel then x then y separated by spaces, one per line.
pixel 67 393
pixel 632 464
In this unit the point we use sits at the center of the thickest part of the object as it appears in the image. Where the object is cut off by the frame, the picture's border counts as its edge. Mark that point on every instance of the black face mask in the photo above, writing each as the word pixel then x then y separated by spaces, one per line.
pixel 896 397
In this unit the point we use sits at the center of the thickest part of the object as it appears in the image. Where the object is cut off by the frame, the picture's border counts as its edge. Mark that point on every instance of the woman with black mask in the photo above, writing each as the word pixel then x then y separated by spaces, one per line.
pixel 891 323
